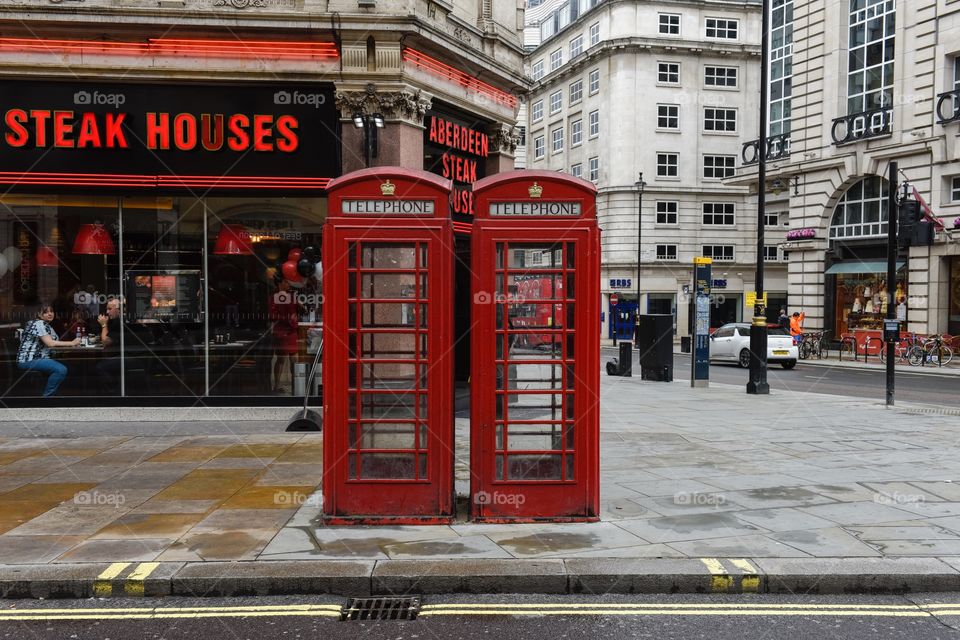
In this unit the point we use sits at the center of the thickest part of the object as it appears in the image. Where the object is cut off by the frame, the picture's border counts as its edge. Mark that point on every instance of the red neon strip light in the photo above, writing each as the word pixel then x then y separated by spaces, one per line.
pixel 459 77
pixel 178 47
pixel 115 180
pixel 462 227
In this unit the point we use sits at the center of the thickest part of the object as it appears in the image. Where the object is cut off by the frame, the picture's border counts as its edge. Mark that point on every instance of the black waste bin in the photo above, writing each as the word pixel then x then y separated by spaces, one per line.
pixel 655 344
pixel 686 343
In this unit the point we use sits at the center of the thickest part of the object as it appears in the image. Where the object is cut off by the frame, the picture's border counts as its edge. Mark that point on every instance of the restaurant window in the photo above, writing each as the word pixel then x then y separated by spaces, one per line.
pixel 187 289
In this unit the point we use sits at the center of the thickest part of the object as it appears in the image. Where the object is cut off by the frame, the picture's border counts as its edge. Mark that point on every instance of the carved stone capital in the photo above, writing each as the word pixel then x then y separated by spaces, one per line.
pixel 504 138
pixel 404 104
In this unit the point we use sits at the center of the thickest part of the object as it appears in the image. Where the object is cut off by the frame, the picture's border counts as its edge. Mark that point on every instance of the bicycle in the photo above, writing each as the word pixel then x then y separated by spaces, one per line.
pixel 935 350
pixel 811 344
pixel 904 350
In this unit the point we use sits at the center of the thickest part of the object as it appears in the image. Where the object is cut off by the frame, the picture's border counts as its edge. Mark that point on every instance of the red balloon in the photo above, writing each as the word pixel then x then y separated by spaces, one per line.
pixel 295 254
pixel 289 269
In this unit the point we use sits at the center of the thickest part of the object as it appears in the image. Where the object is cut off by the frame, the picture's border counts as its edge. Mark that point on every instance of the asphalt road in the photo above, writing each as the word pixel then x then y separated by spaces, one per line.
pixel 485 617
pixel 861 383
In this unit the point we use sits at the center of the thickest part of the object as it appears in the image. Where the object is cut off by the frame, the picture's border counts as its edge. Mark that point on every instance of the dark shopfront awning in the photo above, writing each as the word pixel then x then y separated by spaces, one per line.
pixel 858 266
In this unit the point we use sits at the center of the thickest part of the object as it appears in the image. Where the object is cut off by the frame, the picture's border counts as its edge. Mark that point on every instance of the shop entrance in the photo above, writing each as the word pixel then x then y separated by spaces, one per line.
pixel 724 310
pixel 623 319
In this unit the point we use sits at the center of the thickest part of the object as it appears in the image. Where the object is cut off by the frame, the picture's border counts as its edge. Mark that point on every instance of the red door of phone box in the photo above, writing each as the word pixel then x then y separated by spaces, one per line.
pixel 535 421
pixel 388 361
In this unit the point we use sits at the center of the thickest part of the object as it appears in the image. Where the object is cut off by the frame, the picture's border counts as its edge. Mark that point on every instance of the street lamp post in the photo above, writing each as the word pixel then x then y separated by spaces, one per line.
pixel 639 184
pixel 757 385
pixel 370 124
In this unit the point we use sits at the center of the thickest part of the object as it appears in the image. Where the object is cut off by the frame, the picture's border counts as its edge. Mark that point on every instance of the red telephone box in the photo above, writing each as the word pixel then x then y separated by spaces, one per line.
pixel 535 421
pixel 388 362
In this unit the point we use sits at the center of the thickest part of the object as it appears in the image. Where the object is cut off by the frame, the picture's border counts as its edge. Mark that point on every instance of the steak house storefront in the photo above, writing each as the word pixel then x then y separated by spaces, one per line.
pixel 173 227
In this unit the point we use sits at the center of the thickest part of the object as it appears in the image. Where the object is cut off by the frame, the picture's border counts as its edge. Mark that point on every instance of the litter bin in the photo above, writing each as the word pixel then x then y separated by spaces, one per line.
pixel 686 343
pixel 655 343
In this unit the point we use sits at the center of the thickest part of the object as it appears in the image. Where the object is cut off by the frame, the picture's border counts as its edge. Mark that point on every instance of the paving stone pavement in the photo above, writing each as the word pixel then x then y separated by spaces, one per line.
pixel 685 473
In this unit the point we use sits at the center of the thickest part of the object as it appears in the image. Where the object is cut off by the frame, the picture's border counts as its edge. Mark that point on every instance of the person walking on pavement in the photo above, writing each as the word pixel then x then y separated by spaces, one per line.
pixel 796 325
pixel 784 320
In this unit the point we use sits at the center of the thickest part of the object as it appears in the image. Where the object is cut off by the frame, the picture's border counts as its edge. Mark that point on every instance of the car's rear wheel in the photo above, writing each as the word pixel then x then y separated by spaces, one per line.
pixel 788 364
pixel 744 359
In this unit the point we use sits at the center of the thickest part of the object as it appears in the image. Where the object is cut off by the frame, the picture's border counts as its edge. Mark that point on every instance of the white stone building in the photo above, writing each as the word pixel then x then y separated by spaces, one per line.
pixel 873 81
pixel 667 89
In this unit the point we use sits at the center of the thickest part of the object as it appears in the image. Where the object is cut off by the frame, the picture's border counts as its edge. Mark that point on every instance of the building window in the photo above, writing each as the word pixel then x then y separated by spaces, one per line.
pixel 771 219
pixel 556 102
pixel 666 252
pixel 576 132
pixel 722 28
pixel 862 211
pixel 594 124
pixel 576 170
pixel 536 111
pixel 594 33
pixel 576 47
pixel 593 81
pixel 669 24
pixel 719 252
pixel 719 166
pixel 594 169
pixel 537 70
pixel 715 119
pixel 770 253
pixel 781 66
pixel 668 72
pixel 667 165
pixel 720 76
pixel 556 139
pixel 871 47
pixel 576 92
pixel 668 116
pixel 539 148
pixel 522 133
pixel 719 213
pixel 666 212
pixel 556 59
pixel 955 190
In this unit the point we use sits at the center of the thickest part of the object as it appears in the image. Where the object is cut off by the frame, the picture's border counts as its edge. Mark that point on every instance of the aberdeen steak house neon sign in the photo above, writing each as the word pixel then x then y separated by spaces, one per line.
pixel 184 135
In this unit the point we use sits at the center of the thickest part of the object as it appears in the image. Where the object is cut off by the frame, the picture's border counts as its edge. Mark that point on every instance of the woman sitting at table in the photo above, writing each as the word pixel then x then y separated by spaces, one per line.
pixel 34 352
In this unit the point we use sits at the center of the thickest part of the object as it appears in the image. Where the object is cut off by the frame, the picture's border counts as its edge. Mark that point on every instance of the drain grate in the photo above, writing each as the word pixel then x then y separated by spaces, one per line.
pixel 380 609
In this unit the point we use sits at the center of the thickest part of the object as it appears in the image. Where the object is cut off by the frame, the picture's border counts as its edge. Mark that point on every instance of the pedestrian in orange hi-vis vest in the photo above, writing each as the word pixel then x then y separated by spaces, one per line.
pixel 796 325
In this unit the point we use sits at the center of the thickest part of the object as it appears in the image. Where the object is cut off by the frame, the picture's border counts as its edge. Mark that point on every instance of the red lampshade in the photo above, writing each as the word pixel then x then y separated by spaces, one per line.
pixel 93 240
pixel 233 240
pixel 47 257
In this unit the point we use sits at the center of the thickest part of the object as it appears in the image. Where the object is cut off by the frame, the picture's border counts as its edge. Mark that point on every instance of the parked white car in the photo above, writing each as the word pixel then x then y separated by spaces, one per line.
pixel 731 343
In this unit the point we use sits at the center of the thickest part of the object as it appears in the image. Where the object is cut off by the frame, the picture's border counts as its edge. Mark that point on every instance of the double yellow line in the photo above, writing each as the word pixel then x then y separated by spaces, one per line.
pixel 690 609
pixel 166 613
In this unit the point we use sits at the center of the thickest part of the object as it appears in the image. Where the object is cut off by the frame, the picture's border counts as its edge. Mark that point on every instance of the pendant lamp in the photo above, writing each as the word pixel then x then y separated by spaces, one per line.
pixel 47 257
pixel 93 240
pixel 233 240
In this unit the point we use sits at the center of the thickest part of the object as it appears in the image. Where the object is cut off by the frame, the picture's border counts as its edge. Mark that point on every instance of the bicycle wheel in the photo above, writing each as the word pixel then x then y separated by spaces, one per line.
pixel 804 350
pixel 916 355
pixel 944 352
pixel 883 355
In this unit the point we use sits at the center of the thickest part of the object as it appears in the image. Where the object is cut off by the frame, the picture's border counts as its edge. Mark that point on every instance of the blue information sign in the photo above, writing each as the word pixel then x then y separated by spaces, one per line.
pixel 700 366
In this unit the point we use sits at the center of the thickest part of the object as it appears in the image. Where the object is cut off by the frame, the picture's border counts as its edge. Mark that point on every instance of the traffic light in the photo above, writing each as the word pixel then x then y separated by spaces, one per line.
pixel 912 229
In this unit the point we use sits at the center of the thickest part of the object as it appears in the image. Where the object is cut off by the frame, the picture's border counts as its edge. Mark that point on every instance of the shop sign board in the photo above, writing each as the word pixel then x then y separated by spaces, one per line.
pixel 108 134
pixel 456 147
pixel 700 363
pixel 751 299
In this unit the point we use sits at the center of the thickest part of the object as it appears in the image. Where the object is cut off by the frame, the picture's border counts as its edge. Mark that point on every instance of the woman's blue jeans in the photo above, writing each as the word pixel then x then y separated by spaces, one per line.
pixel 56 372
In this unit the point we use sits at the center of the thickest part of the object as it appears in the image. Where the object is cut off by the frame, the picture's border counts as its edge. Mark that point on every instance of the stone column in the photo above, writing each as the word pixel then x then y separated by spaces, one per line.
pixel 401 139
pixel 504 139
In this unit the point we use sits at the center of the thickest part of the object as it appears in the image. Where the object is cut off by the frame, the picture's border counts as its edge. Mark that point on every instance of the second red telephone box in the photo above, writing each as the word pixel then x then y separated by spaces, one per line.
pixel 388 363
pixel 534 447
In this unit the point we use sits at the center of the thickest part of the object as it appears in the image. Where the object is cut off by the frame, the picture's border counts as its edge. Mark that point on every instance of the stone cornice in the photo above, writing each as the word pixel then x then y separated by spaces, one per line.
pixel 406 104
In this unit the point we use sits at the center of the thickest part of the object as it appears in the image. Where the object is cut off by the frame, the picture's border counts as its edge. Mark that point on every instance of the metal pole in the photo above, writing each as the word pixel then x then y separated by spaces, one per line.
pixel 891 273
pixel 757 385
pixel 636 325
